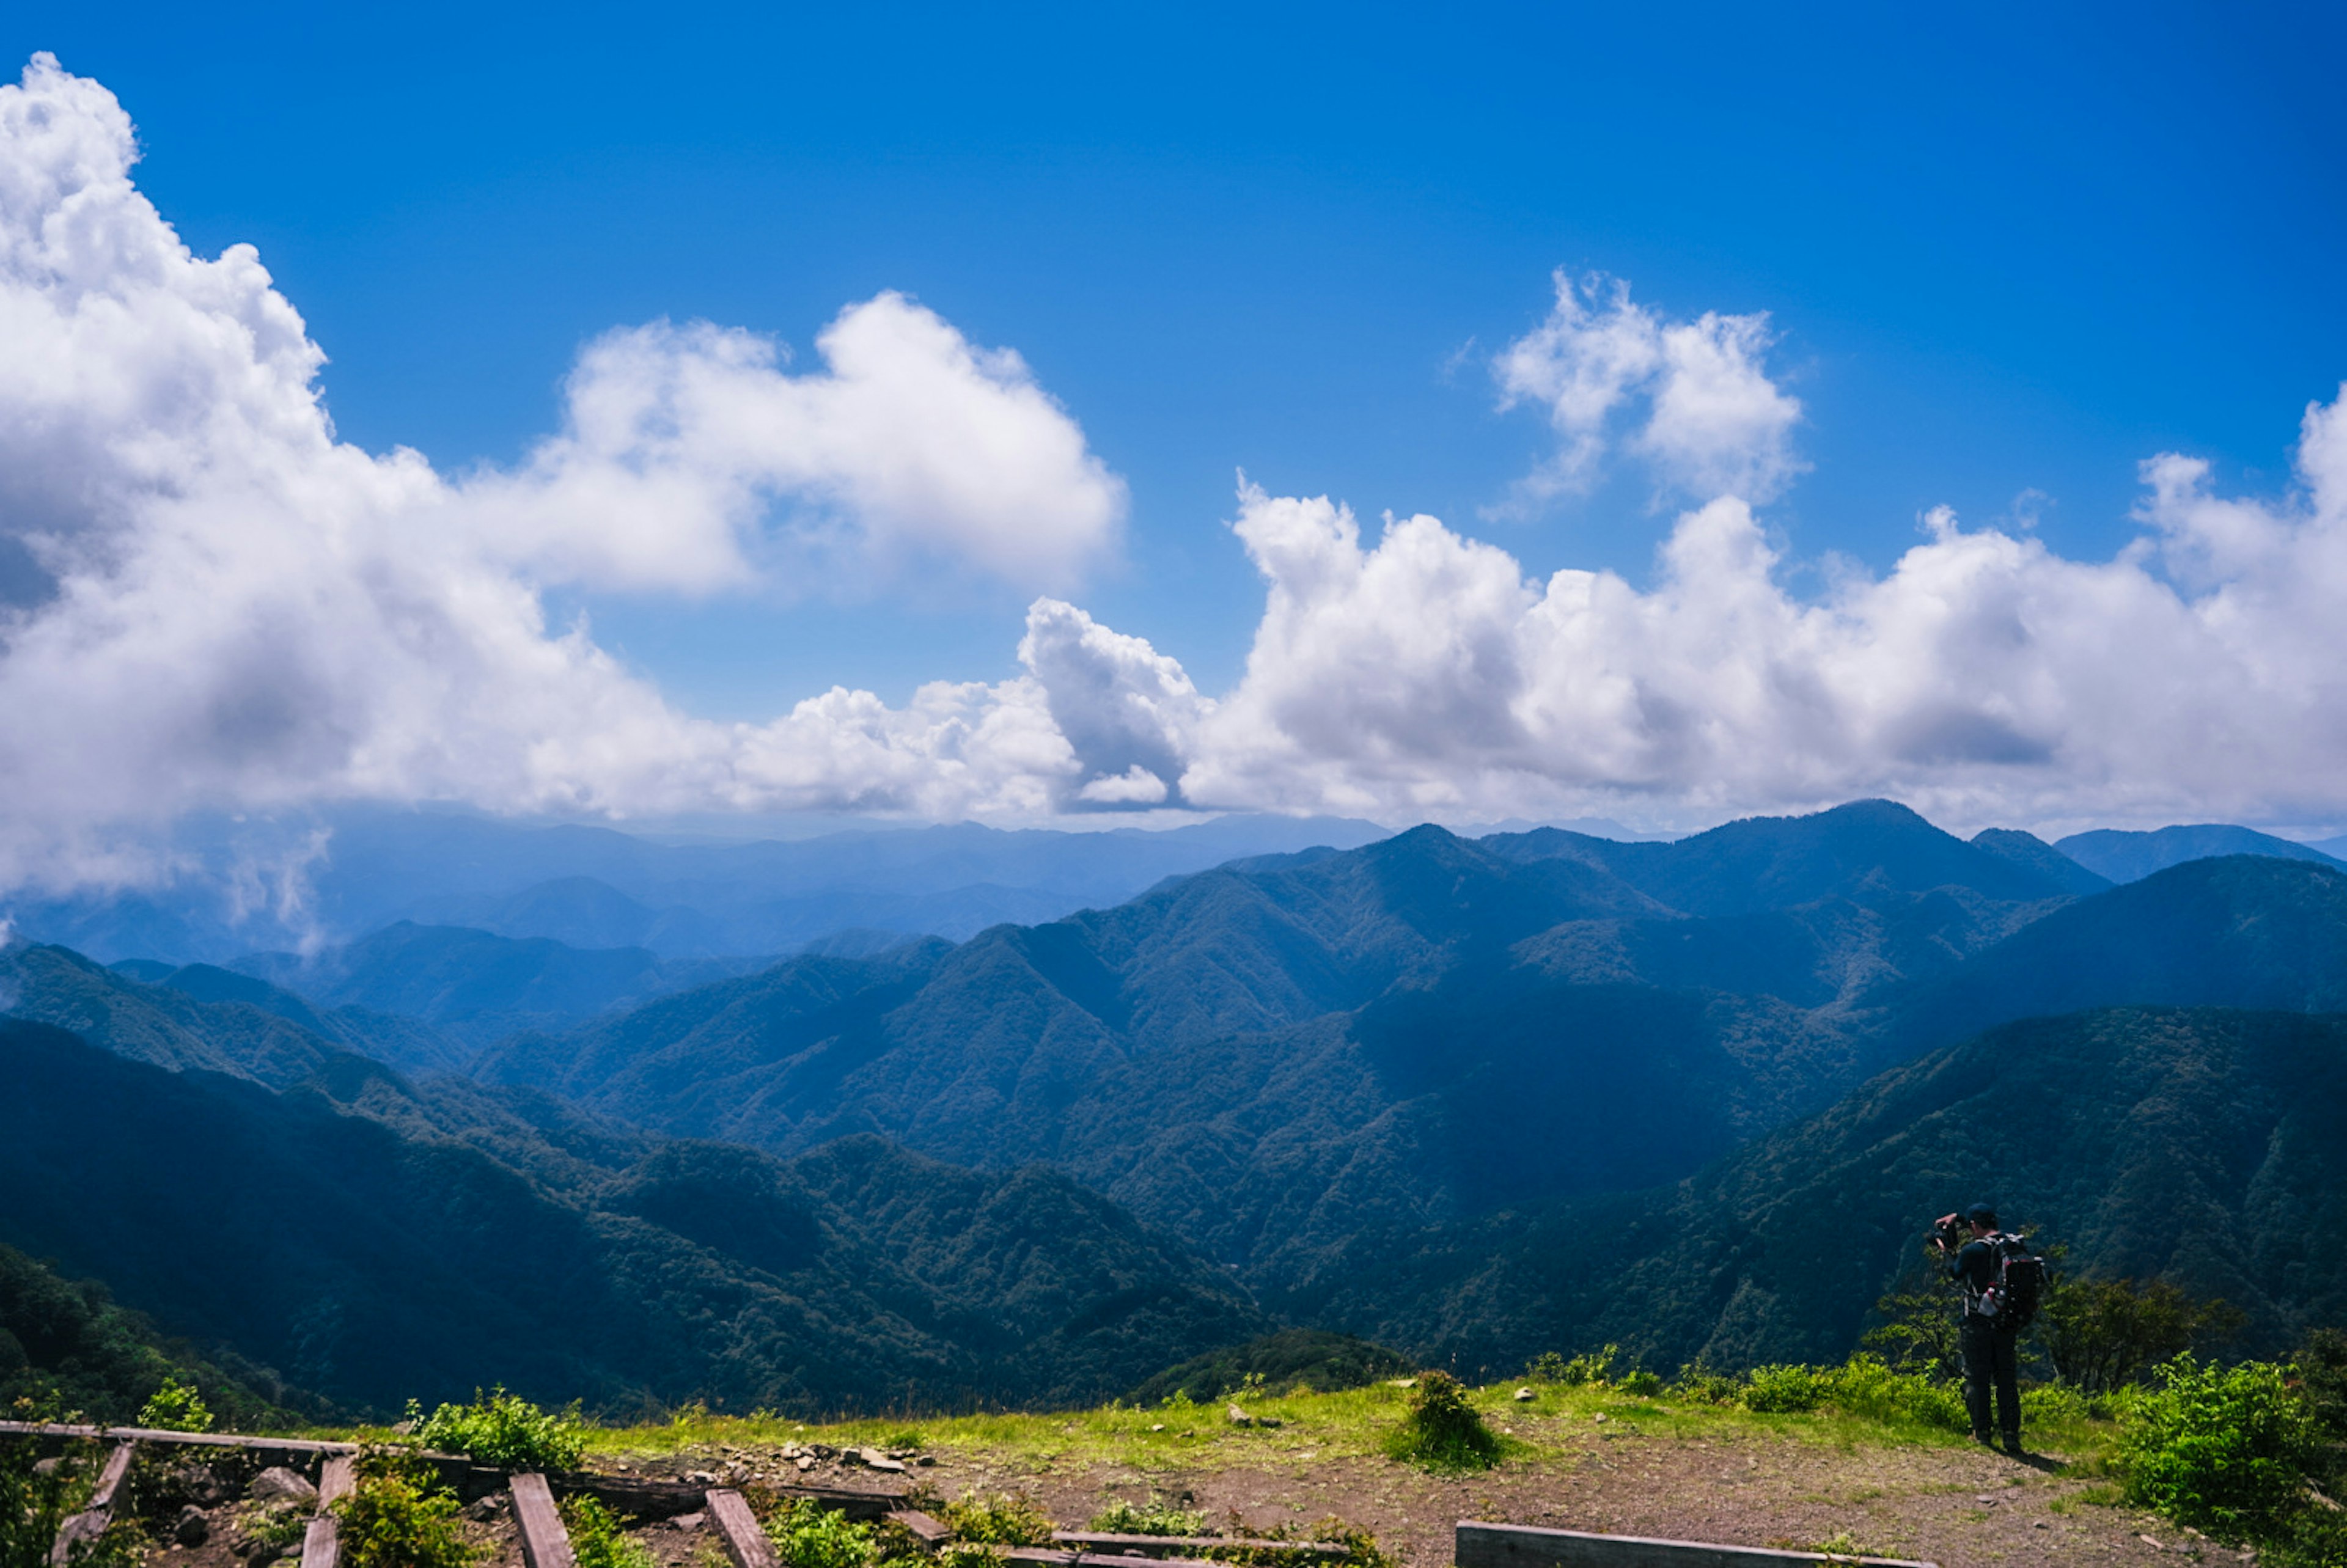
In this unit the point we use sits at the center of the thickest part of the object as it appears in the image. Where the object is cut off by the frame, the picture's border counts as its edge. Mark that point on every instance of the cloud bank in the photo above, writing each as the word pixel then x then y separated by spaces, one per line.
pixel 208 601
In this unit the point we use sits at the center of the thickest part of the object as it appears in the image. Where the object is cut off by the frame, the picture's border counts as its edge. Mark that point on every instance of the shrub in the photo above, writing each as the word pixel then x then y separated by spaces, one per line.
pixel 596 1540
pixel 33 1503
pixel 398 1515
pixel 176 1407
pixel 1442 1430
pixel 275 1524
pixel 504 1431
pixel 1639 1383
pixel 1866 1386
pixel 1785 1390
pixel 1550 1367
pixel 1696 1381
pixel 2220 1449
pixel 1006 1519
pixel 1154 1517
pixel 808 1535
pixel 969 1554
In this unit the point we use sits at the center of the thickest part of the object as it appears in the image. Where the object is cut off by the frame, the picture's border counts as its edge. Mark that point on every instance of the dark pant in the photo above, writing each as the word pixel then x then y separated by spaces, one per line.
pixel 1989 1358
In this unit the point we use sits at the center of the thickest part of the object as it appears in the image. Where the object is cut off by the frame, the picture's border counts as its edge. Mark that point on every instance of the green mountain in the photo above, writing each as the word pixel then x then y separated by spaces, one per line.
pixel 2130 856
pixel 377 1243
pixel 2205 1147
pixel 1273 1055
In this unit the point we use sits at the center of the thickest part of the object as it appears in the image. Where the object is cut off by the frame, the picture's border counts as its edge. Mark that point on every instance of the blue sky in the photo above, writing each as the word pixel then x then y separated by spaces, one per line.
pixel 1877 264
pixel 2006 253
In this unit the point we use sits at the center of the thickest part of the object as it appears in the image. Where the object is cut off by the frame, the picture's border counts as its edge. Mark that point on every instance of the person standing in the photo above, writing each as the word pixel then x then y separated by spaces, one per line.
pixel 1987 1337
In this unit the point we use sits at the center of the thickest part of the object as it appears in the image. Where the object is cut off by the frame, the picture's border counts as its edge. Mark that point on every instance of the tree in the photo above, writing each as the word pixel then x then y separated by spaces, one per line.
pixel 2103 1334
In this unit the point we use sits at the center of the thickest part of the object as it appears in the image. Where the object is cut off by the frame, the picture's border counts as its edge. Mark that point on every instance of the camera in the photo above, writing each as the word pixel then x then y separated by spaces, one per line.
pixel 1949 1231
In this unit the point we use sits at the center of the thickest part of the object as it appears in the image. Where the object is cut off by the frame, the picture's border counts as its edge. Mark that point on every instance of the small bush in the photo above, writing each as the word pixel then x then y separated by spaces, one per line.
pixel 1550 1367
pixel 398 1515
pixel 2220 1449
pixel 1006 1519
pixel 1640 1384
pixel 808 1535
pixel 504 1431
pixel 1442 1430
pixel 596 1540
pixel 277 1524
pixel 1696 1381
pixel 1154 1517
pixel 176 1407
pixel 1868 1387
pixel 1786 1390
pixel 969 1554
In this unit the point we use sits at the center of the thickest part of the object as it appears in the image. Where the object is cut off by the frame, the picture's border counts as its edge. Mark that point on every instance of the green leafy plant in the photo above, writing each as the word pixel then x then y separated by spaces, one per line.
pixel 2224 1450
pixel 1787 1389
pixel 34 1503
pixel 2103 1334
pixel 1919 1332
pixel 969 1554
pixel 597 1538
pixel 1442 1431
pixel 1575 1371
pixel 1361 1548
pixel 274 1524
pixel 176 1407
pixel 1639 1383
pixel 808 1535
pixel 1152 1518
pixel 1004 1519
pixel 399 1515
pixel 504 1431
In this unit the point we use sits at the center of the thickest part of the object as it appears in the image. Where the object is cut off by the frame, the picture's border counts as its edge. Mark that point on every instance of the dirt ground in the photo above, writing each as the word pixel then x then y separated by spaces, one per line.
pixel 1958 1507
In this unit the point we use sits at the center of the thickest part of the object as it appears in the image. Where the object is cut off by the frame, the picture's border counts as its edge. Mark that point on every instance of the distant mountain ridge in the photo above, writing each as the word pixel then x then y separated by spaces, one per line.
pixel 2131 856
pixel 362 869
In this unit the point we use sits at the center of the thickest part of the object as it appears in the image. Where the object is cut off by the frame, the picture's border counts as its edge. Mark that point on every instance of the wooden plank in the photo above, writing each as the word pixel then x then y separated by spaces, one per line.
pixel 1151 1545
pixel 91 1522
pixel 322 1542
pixel 746 1543
pixel 1481 1545
pixel 544 1543
pixel 336 1480
pixel 928 1531
pixel 158 1435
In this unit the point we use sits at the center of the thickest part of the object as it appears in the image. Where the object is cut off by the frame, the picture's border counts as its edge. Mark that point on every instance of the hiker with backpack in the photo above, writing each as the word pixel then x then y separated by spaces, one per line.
pixel 2002 1283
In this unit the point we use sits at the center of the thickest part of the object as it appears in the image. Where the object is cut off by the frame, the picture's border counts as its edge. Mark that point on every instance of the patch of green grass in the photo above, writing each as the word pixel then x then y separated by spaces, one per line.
pixel 1152 1518
pixel 1004 1519
pixel 808 1535
pixel 597 1539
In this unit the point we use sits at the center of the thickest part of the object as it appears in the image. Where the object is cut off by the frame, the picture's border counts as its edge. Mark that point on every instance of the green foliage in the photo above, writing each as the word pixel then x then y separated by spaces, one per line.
pixel 1787 1389
pixel 1442 1431
pixel 1361 1548
pixel 1863 1386
pixel 2105 1334
pixel 2224 1450
pixel 968 1554
pixel 1549 1367
pixel 808 1535
pixel 597 1539
pixel 1004 1519
pixel 398 1515
pixel 1289 1359
pixel 33 1504
pixel 277 1524
pixel 176 1407
pixel 504 1431
pixel 1640 1384
pixel 1919 1331
pixel 1152 1518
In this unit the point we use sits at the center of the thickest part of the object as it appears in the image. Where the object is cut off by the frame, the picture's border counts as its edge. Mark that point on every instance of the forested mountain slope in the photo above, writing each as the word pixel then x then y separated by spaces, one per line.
pixel 375 1242
pixel 2205 1147
pixel 1277 1054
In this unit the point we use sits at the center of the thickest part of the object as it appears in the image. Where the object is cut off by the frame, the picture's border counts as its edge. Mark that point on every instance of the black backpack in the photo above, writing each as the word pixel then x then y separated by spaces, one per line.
pixel 2016 1282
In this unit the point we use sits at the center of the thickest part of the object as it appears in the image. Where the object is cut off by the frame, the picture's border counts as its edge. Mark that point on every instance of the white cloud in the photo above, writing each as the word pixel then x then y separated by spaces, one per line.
pixel 1714 422
pixel 213 602
pixel 217 605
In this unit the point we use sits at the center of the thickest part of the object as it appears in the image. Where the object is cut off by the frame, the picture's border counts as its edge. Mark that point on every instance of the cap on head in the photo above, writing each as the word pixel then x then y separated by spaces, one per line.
pixel 1981 1215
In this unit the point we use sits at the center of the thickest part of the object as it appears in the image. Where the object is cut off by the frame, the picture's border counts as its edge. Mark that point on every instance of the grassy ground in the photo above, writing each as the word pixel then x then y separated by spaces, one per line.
pixel 1587 1458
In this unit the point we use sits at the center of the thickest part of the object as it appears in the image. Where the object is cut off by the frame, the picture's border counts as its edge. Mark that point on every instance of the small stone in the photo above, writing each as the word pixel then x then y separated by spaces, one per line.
pixel 1270 1421
pixel 1157 1426
pixel 1237 1417
pixel 688 1521
pixel 1523 1394
pixel 481 1510
pixel 278 1484
pixel 701 1478
pixel 193 1529
pixel 1601 1415
pixel 850 1456
pixel 878 1461
pixel 805 1463
pixel 46 1466
pixel 925 1459
pixel 2037 1524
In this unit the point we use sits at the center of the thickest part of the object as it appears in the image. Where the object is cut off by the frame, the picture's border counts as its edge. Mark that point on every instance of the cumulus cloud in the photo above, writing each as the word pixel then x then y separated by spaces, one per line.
pixel 1690 397
pixel 212 603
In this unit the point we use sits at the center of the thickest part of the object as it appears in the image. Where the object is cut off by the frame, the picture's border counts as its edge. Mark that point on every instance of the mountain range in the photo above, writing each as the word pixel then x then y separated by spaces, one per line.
pixel 1392 1090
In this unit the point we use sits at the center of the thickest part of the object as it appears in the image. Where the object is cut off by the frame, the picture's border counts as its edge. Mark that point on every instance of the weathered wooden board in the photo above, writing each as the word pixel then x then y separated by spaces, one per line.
pixel 745 1544
pixel 91 1522
pixel 158 1435
pixel 336 1480
pixel 1480 1545
pixel 544 1543
pixel 321 1543
pixel 1052 1558
pixel 1158 1545
pixel 927 1531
